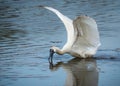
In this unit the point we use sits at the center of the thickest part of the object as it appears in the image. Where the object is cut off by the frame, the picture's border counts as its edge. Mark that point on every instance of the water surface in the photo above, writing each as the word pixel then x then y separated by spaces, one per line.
pixel 27 32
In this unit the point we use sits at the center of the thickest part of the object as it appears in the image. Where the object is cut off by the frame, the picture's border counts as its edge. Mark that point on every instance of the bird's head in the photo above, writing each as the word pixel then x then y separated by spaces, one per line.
pixel 52 51
pixel 55 50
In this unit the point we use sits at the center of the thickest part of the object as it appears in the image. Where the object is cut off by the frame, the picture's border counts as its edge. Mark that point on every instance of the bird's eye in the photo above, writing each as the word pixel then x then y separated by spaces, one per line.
pixel 51 50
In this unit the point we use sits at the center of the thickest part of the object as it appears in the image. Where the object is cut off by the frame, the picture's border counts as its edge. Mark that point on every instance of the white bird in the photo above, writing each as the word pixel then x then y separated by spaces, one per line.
pixel 82 36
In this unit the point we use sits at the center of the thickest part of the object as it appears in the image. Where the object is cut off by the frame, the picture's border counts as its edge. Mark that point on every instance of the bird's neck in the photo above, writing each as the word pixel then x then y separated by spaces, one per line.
pixel 59 51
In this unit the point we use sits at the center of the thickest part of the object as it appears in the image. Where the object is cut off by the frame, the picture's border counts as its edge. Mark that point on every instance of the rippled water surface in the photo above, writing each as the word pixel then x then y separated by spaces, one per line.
pixel 27 32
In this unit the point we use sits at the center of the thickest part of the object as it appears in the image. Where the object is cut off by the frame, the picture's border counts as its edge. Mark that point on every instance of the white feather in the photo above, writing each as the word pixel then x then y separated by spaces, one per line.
pixel 82 35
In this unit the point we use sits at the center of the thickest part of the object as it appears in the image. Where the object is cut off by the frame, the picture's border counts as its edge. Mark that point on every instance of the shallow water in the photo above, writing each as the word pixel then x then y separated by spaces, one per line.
pixel 27 32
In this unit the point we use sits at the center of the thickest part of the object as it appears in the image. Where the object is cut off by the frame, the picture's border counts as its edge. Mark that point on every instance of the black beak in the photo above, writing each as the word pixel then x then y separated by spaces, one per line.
pixel 51 55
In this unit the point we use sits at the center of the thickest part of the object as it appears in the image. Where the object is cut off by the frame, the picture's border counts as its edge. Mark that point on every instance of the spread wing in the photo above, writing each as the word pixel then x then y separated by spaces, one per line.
pixel 86 32
pixel 69 27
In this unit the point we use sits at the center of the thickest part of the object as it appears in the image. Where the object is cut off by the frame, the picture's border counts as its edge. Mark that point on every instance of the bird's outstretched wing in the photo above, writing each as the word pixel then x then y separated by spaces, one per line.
pixel 68 24
pixel 86 32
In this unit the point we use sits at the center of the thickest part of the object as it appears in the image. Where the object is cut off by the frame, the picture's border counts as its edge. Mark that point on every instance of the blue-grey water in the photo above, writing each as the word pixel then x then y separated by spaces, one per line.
pixel 27 32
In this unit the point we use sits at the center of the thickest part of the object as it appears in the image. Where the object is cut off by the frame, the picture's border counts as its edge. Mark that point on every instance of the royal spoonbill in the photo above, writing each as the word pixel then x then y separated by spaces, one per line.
pixel 82 36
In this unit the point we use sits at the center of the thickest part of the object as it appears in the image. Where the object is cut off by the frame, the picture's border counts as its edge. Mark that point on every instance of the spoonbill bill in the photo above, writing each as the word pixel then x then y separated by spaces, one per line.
pixel 83 37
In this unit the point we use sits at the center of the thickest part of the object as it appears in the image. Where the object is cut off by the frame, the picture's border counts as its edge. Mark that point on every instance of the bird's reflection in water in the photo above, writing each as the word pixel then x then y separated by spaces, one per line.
pixel 80 72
